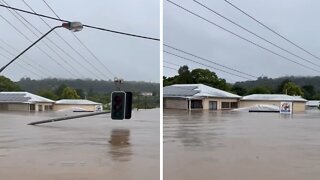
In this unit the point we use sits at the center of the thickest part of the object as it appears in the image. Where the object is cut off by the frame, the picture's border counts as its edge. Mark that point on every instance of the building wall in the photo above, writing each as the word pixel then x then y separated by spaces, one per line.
pixel 205 102
pixel 58 107
pixel 172 103
pixel 42 106
pixel 18 107
pixel 297 106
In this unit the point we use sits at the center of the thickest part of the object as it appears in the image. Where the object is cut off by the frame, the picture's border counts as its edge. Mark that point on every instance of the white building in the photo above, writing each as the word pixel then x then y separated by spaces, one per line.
pixel 298 103
pixel 24 101
pixel 77 104
pixel 198 96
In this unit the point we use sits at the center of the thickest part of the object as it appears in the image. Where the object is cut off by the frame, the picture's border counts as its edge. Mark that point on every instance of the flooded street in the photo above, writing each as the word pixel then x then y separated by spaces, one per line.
pixel 206 145
pixel 90 148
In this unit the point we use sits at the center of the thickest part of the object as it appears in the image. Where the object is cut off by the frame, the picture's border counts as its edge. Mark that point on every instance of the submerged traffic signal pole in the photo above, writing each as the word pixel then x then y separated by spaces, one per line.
pixel 72 26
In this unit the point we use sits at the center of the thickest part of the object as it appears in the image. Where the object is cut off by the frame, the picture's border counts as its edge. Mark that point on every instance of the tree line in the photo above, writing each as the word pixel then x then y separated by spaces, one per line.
pixel 94 90
pixel 308 87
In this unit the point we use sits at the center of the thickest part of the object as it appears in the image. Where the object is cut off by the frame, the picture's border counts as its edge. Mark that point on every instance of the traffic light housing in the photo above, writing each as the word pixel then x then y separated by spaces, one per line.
pixel 118 105
pixel 128 108
pixel 121 105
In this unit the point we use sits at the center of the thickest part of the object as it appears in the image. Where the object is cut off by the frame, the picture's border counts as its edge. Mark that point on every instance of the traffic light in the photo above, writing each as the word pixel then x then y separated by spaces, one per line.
pixel 118 105
pixel 121 105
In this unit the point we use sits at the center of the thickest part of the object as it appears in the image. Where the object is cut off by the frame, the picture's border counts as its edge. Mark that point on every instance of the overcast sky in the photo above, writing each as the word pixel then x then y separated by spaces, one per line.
pixel 126 57
pixel 295 19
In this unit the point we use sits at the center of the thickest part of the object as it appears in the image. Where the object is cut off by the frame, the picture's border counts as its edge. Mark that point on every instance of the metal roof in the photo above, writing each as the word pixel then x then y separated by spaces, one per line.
pixel 195 90
pixel 22 97
pixel 273 97
pixel 77 102
pixel 313 103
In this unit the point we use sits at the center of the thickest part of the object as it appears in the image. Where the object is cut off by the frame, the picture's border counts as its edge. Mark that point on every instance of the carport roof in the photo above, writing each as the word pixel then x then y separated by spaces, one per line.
pixel 76 102
pixel 22 97
pixel 273 97
pixel 195 90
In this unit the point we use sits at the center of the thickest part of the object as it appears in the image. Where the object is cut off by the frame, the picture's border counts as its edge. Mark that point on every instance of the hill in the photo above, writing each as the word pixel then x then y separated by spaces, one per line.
pixel 275 83
pixel 96 86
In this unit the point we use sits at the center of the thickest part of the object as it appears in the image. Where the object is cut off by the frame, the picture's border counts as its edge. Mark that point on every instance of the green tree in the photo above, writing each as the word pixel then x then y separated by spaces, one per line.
pixel 238 89
pixel 48 94
pixel 184 75
pixel 279 89
pixel 81 93
pixel 60 89
pixel 308 91
pixel 7 85
pixel 69 93
pixel 209 78
pixel 291 88
pixel 259 90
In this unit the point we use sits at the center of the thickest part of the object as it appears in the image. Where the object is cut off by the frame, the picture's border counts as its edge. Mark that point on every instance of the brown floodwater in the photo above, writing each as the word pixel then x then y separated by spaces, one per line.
pixel 90 148
pixel 203 145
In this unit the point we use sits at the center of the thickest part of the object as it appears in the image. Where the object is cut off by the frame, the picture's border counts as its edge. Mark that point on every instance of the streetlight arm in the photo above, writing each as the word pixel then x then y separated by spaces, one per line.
pixel 29 47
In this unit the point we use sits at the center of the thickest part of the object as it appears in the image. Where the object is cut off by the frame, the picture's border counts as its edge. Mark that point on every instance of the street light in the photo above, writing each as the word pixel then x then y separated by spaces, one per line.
pixel 72 26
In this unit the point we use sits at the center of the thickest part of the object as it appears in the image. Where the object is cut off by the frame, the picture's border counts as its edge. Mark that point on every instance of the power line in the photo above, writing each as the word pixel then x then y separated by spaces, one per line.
pixel 267 27
pixel 241 37
pixel 170 68
pixel 43 42
pixel 171 63
pixel 253 33
pixel 181 57
pixel 91 72
pixel 36 45
pixel 25 56
pixel 21 66
pixel 84 25
pixel 95 57
pixel 210 61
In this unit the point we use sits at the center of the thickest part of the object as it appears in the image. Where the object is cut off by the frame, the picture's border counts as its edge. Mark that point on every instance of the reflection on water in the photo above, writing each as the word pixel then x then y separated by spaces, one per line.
pixel 238 145
pixel 87 148
pixel 120 145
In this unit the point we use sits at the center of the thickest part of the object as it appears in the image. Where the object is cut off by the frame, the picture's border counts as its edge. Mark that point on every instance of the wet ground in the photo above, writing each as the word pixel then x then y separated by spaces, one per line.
pixel 90 148
pixel 241 146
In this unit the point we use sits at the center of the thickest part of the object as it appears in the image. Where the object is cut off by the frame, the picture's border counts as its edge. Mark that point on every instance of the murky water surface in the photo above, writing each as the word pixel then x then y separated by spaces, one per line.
pixel 90 148
pixel 241 146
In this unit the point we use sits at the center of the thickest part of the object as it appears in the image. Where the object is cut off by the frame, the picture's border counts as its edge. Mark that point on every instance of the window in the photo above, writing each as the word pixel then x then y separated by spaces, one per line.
pixel 196 104
pixel 229 105
pixel 32 107
pixel 225 105
pixel 234 105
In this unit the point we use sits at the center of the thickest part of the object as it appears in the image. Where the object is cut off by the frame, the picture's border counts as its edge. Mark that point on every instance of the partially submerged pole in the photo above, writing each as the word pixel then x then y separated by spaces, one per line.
pixel 68 117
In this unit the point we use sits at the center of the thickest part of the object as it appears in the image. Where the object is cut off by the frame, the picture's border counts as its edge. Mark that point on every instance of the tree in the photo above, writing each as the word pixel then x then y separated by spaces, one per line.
pixel 308 91
pixel 292 89
pixel 279 89
pixel 69 93
pixel 184 75
pixel 48 94
pixel 7 85
pixel 60 89
pixel 238 89
pixel 259 90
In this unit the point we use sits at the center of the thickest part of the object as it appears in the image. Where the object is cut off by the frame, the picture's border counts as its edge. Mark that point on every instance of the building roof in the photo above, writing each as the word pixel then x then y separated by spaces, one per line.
pixel 77 102
pixel 273 97
pixel 22 97
pixel 195 91
pixel 313 103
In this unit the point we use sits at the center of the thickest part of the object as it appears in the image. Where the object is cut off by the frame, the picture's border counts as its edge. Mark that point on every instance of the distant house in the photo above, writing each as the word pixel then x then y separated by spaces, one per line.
pixel 146 94
pixel 78 105
pixel 313 104
pixel 198 96
pixel 24 101
pixel 298 103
